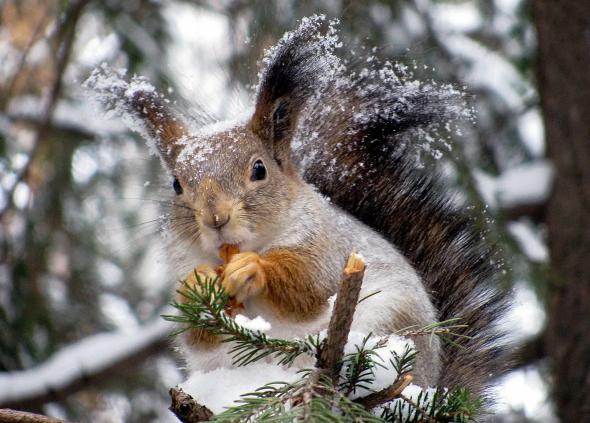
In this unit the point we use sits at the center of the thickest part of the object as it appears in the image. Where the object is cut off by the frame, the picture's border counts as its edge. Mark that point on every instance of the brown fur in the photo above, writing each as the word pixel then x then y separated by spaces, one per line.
pixel 290 282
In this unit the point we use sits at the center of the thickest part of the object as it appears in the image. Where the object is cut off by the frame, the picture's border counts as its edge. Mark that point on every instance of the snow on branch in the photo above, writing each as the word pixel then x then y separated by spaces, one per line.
pixel 74 363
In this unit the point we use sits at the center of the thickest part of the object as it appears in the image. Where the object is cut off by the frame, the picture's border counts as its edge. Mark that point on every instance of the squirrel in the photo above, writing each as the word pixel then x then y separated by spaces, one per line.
pixel 323 166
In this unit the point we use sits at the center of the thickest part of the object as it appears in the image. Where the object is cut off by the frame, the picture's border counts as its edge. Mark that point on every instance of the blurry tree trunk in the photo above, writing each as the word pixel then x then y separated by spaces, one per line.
pixel 564 84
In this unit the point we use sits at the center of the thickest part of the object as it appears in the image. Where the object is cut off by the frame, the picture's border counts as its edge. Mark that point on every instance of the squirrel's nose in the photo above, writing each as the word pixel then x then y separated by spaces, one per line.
pixel 216 221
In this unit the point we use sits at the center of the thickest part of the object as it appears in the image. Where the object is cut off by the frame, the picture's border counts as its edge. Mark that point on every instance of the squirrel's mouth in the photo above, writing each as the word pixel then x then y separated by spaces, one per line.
pixel 230 241
pixel 238 235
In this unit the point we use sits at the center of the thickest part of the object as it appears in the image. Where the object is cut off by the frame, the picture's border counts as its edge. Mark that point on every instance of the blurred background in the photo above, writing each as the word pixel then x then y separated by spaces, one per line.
pixel 83 276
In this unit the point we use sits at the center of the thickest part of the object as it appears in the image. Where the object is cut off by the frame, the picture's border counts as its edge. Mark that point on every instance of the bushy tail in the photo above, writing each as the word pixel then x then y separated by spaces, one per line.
pixel 444 247
pixel 356 138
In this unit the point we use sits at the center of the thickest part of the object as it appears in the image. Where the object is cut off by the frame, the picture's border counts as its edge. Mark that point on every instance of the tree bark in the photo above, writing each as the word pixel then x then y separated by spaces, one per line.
pixel 563 29
pixel 347 299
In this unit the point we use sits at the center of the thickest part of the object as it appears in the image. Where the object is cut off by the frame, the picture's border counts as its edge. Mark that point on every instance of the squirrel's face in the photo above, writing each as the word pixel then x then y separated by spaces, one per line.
pixel 234 186
pixel 229 189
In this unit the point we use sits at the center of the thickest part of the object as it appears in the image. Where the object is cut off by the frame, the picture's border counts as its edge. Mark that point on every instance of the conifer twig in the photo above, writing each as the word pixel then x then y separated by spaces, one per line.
pixel 330 359
pixel 187 409
pixel 391 392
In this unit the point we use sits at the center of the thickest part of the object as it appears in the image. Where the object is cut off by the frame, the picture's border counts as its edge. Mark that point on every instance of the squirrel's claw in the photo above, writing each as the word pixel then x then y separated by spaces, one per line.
pixel 244 276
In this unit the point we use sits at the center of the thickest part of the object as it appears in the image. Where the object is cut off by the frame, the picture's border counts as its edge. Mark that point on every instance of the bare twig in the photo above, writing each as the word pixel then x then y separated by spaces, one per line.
pixel 187 409
pixel 350 287
pixel 391 392
pixel 13 416
pixel 23 58
pixel 66 38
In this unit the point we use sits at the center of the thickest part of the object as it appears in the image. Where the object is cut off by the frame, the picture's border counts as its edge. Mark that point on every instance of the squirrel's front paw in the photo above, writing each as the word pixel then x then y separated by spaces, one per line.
pixel 244 276
pixel 204 271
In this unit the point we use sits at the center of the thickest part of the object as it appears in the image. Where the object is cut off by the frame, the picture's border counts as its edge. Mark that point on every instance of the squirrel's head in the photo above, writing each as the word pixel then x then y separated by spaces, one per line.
pixel 235 184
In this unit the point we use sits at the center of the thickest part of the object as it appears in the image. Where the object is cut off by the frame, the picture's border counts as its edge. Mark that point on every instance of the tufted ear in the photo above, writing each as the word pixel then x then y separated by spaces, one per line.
pixel 164 126
pixel 146 111
pixel 292 73
pixel 274 123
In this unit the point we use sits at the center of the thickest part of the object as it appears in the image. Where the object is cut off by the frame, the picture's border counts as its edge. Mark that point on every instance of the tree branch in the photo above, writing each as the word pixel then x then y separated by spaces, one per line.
pixel 76 365
pixel 391 392
pixel 65 38
pixel 187 409
pixel 13 416
pixel 348 295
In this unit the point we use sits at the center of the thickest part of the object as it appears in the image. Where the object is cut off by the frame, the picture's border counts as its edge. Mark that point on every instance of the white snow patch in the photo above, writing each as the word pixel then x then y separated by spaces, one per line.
pixel 99 49
pixel 528 183
pixel 488 70
pixel 524 391
pixel 384 373
pixel 223 386
pixel 256 324
pixel 412 392
pixel 529 240
pixel 117 310
pixel 460 17
pixel 199 56
pixel 526 317
pixel 219 388
pixel 84 164
pixel 487 187
pixel 532 132
pixel 21 196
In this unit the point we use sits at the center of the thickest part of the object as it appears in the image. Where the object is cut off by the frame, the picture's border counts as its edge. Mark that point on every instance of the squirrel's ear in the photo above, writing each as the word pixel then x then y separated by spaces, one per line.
pixel 293 71
pixel 163 125
pixel 273 123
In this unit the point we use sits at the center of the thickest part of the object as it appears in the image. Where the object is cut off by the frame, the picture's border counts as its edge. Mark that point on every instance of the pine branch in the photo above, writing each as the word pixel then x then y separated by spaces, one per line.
pixel 437 406
pixel 205 308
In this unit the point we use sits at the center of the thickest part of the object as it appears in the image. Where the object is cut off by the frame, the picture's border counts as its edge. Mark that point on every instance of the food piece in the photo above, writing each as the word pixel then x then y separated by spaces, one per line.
pixel 227 251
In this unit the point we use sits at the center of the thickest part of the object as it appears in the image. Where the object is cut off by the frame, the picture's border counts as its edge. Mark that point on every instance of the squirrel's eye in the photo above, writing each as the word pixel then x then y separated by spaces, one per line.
pixel 258 171
pixel 177 187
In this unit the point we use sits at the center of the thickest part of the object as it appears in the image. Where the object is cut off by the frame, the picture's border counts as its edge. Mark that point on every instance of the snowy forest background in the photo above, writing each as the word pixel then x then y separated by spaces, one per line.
pixel 83 276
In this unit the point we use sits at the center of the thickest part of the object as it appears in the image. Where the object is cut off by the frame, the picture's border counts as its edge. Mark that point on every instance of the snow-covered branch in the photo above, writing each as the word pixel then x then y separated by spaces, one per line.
pixel 79 362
